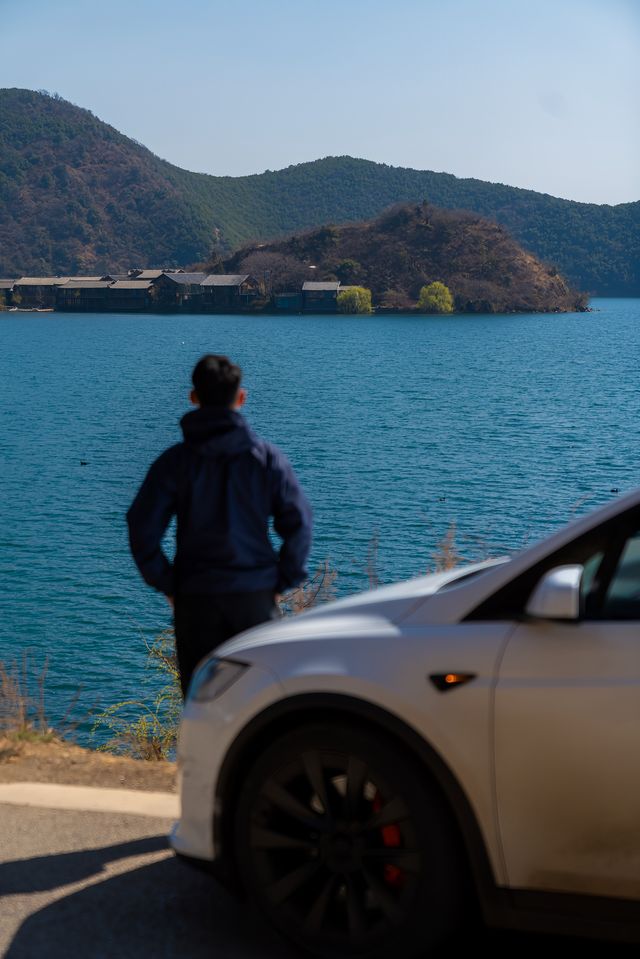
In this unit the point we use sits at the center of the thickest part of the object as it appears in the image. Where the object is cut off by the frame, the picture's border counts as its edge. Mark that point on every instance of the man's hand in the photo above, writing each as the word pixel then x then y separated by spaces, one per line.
pixel 171 602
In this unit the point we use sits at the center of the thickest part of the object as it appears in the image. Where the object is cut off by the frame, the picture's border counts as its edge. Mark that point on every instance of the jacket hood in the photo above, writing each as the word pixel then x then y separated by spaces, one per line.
pixel 217 432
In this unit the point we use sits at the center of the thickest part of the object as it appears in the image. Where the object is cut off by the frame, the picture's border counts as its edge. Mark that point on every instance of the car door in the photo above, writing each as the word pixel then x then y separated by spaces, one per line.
pixel 567 738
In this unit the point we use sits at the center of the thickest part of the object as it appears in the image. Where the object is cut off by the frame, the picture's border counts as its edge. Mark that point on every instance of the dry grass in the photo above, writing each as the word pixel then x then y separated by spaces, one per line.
pixel 373 573
pixel 22 700
pixel 446 555
pixel 23 713
pixel 317 590
pixel 147 730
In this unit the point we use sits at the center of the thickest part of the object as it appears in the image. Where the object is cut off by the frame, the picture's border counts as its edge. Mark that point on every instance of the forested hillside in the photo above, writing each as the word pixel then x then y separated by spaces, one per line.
pixel 77 196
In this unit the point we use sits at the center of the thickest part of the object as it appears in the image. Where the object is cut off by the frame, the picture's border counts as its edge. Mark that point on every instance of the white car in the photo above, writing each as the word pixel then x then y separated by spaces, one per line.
pixel 369 771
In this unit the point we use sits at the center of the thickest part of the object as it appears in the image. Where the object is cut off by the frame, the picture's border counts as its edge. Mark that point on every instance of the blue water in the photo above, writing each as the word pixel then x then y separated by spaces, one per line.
pixel 397 427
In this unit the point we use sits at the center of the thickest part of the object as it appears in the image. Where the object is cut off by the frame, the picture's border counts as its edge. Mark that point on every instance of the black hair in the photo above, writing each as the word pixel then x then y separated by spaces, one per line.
pixel 216 380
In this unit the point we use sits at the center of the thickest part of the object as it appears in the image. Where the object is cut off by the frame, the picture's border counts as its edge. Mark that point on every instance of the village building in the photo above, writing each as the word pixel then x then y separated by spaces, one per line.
pixel 165 290
pixel 287 302
pixel 178 291
pixel 37 292
pixel 320 296
pixel 83 296
pixel 130 296
pixel 6 286
pixel 232 292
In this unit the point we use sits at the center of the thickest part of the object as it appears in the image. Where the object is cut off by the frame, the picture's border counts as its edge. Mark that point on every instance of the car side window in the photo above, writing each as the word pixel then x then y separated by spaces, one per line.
pixel 610 555
pixel 588 584
pixel 622 596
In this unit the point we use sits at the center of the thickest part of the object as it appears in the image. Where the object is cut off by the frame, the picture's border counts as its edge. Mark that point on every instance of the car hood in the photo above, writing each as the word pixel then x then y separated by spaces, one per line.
pixel 376 610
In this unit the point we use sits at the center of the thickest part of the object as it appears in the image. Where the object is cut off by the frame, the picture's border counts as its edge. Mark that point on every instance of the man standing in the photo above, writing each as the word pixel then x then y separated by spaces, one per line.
pixel 224 484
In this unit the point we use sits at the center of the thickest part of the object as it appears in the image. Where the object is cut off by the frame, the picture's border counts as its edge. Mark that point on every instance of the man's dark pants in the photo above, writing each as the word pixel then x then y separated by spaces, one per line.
pixel 202 623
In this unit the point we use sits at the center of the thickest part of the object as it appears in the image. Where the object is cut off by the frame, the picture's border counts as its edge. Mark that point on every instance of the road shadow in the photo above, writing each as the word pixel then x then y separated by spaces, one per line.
pixel 165 909
pixel 42 873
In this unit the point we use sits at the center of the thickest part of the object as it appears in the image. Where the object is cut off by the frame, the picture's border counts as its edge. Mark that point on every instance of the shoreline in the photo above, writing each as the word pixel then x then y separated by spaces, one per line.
pixel 376 311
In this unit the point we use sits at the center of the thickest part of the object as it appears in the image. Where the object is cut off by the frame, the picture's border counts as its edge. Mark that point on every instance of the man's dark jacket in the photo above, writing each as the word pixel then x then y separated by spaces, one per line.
pixel 223 483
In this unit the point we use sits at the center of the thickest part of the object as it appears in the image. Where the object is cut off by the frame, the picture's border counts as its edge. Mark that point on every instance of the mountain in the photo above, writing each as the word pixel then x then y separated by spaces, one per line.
pixel 76 196
pixel 411 245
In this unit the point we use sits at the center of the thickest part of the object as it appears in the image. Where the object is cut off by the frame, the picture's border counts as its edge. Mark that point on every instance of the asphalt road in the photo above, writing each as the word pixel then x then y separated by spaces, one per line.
pixel 90 885
pixel 95 885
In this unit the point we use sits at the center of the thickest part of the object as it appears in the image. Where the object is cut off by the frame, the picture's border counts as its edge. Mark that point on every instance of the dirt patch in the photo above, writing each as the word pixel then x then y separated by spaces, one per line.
pixel 60 762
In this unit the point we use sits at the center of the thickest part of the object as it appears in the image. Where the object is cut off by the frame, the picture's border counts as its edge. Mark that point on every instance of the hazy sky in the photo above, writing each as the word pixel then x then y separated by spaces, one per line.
pixel 542 94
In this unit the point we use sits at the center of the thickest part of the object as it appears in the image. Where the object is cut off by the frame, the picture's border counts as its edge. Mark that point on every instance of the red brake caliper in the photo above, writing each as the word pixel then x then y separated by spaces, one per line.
pixel 393 876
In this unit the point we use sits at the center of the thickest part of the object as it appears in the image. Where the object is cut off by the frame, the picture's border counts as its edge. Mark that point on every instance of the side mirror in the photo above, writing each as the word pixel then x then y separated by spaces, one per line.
pixel 557 595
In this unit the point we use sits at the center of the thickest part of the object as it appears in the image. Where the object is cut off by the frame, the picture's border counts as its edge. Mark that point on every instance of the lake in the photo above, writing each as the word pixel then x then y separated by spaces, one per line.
pixel 398 427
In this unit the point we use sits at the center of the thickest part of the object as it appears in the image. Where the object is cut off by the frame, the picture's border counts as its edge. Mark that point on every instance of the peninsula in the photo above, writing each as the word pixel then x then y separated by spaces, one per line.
pixel 413 257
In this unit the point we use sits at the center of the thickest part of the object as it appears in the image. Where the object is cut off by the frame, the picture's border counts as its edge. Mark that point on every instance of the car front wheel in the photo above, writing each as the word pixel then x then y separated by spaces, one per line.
pixel 347 847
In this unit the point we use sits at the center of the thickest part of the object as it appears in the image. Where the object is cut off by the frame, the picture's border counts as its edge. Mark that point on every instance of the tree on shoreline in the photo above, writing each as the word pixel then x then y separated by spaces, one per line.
pixel 354 299
pixel 435 298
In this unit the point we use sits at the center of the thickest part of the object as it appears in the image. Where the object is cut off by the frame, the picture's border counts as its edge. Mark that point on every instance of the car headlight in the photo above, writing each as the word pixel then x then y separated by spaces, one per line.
pixel 213 678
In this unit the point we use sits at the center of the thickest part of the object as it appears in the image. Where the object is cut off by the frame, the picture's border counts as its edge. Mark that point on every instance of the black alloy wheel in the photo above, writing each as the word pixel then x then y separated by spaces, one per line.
pixel 347 848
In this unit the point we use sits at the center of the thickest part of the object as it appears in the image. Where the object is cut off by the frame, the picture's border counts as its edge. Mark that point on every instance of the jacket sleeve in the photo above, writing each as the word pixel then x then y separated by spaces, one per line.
pixel 292 521
pixel 148 518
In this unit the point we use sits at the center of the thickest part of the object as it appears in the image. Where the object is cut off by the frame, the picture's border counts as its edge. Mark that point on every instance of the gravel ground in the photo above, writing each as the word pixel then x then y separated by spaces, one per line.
pixel 60 762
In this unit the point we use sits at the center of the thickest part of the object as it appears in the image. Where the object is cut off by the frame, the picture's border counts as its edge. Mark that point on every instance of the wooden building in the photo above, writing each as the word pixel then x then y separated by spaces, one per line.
pixel 83 296
pixel 6 286
pixel 37 292
pixel 129 296
pixel 178 291
pixel 228 291
pixel 287 302
pixel 320 297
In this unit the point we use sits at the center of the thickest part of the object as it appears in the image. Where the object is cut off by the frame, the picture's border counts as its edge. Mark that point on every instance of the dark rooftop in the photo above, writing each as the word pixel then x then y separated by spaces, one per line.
pixel 313 285
pixel 88 284
pixel 225 279
pixel 185 277
pixel 147 275
pixel 42 280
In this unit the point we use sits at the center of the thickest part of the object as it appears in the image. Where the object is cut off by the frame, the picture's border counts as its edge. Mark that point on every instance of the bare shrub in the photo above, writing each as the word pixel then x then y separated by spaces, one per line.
pixel 446 555
pixel 319 589
pixel 147 730
pixel 373 572
pixel 22 699
pixel 396 300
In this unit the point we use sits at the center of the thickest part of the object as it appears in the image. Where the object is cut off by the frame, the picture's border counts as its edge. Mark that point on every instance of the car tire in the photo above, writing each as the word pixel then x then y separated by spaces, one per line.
pixel 348 848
